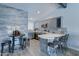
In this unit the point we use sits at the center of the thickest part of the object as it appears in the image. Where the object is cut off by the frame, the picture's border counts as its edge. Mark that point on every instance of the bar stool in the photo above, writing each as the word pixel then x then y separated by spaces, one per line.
pixel 4 43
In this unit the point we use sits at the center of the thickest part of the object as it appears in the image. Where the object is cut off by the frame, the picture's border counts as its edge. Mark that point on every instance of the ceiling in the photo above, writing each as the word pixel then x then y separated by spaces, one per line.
pixel 36 11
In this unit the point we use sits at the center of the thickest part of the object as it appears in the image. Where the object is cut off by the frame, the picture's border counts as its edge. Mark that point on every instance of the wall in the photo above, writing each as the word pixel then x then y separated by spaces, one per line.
pixel 71 21
pixel 12 19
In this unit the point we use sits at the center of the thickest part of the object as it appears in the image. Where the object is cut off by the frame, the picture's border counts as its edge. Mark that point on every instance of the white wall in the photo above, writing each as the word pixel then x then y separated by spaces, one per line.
pixel 71 21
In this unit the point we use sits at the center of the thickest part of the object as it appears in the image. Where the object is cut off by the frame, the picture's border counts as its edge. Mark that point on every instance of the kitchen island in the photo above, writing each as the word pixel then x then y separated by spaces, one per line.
pixel 45 38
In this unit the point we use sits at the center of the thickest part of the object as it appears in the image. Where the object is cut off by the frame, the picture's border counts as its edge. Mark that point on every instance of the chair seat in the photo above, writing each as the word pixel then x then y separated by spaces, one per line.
pixel 50 44
pixel 6 41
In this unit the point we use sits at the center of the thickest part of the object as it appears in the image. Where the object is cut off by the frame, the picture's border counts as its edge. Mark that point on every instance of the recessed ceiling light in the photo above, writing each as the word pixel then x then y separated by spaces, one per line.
pixel 38 12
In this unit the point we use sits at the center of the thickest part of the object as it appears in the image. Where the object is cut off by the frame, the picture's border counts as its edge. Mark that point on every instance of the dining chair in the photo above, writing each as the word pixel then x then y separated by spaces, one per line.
pixel 22 41
pixel 52 47
pixel 25 42
pixel 63 42
pixel 66 39
pixel 18 39
pixel 3 44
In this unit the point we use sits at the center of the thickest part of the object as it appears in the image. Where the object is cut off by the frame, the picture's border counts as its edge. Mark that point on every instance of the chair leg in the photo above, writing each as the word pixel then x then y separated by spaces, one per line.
pixel 56 51
pixel 10 47
pixel 28 42
pixel 24 43
pixel 2 47
pixel 21 43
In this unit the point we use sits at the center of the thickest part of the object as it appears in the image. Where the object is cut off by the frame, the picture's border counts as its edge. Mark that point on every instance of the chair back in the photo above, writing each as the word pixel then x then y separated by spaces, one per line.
pixel 64 38
pixel 56 41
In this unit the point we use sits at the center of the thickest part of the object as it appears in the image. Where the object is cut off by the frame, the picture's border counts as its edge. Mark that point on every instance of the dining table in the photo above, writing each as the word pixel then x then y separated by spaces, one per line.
pixel 13 40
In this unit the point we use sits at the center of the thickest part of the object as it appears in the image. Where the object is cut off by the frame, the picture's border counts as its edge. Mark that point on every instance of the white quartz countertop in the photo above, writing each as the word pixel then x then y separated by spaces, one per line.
pixel 50 35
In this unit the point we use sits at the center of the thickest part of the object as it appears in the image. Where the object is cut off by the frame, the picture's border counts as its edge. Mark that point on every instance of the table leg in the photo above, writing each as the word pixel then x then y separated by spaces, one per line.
pixel 21 43
pixel 2 48
pixel 13 43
